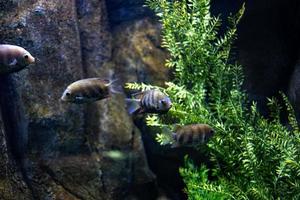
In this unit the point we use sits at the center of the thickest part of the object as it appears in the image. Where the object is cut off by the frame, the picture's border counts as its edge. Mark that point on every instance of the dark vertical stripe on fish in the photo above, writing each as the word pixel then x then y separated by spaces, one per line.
pixel 155 99
pixel 143 100
pixel 193 129
pixel 152 99
pixel 190 138
pixel 147 99
pixel 186 138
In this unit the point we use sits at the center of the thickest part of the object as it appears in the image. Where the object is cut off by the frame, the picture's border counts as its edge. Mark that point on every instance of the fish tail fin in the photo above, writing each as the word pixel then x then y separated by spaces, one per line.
pixel 167 130
pixel 173 135
pixel 114 83
pixel 115 86
pixel 133 105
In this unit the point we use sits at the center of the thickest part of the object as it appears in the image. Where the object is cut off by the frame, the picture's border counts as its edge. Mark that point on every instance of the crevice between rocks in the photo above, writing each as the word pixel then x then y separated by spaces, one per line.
pixel 83 13
pixel 79 4
pixel 49 172
pixel 15 126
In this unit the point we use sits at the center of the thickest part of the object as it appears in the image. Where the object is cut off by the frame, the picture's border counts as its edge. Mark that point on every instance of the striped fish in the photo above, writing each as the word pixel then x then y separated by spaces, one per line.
pixel 192 134
pixel 14 58
pixel 150 101
pixel 88 90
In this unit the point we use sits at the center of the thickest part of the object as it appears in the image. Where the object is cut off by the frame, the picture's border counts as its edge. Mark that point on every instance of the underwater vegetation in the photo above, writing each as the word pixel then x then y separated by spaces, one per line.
pixel 90 149
pixel 251 157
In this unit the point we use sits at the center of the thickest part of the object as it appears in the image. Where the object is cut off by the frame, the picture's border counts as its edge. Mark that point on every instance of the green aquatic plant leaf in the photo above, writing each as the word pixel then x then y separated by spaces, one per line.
pixel 250 157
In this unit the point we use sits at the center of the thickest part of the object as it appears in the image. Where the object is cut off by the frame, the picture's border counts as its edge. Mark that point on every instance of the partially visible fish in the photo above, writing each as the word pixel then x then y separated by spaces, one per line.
pixel 89 90
pixel 192 134
pixel 150 101
pixel 115 155
pixel 14 58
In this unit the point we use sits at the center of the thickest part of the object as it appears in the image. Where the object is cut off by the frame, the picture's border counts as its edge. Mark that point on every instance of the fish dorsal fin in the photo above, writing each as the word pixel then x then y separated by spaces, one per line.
pixel 97 79
pixel 137 95
pixel 114 85
pixel 176 127
pixel 105 80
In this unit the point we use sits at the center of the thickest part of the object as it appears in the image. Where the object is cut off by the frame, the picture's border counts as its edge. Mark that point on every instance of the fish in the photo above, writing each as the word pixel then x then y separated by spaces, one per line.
pixel 89 90
pixel 149 101
pixel 14 58
pixel 115 155
pixel 191 134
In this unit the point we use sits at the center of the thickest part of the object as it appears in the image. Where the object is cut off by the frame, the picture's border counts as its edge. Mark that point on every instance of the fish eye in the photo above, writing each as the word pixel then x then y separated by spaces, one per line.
pixel 26 56
pixel 68 94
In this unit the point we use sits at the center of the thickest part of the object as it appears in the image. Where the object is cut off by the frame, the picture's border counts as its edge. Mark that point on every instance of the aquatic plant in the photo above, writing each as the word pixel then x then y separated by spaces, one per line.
pixel 251 157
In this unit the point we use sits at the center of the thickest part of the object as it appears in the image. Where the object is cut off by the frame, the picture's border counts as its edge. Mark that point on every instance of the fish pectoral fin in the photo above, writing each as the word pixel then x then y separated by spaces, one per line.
pixel 133 105
pixel 13 62
pixel 166 130
pixel 78 98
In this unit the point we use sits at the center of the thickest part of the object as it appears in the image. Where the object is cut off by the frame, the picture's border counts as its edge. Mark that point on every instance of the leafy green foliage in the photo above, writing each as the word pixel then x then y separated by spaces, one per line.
pixel 198 186
pixel 252 157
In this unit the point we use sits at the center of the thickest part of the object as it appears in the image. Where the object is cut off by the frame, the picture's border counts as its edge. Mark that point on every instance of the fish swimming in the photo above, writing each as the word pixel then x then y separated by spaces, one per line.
pixel 192 134
pixel 149 101
pixel 14 58
pixel 89 90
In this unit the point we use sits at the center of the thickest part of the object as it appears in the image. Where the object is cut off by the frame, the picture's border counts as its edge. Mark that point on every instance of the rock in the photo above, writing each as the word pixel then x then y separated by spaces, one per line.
pixel 12 185
pixel 95 151
pixel 109 126
pixel 120 11
pixel 137 52
pixel 69 146
pixel 95 36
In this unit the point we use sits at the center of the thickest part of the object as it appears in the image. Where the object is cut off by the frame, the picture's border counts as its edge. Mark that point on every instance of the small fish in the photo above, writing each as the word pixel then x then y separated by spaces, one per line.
pixel 89 90
pixel 150 101
pixel 192 134
pixel 115 155
pixel 14 58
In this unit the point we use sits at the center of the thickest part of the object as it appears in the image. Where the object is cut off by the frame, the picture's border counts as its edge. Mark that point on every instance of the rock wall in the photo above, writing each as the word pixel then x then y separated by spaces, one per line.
pixel 73 151
pixel 13 185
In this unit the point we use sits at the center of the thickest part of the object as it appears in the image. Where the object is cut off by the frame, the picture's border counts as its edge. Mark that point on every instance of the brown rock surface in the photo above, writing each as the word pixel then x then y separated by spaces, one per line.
pixel 68 150
pixel 137 51
pixel 12 185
